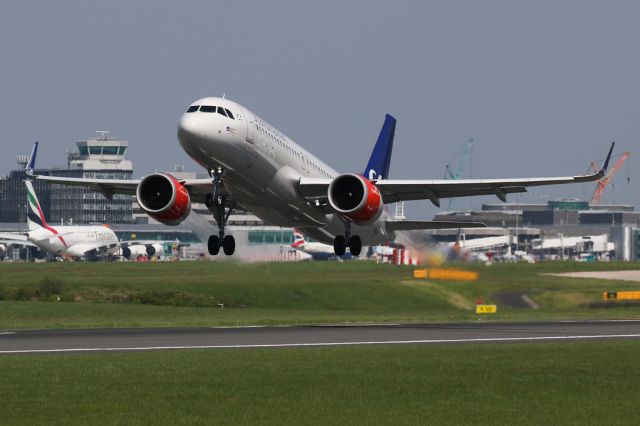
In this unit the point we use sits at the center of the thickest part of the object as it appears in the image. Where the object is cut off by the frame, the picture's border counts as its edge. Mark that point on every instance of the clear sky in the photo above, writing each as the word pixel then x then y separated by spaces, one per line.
pixel 542 86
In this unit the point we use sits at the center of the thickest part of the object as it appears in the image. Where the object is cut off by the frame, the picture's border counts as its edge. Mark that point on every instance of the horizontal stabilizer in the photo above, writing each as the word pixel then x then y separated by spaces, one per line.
pixel 408 225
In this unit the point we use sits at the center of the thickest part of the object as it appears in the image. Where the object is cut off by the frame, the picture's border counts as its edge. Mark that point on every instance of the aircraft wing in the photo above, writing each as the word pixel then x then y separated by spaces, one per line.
pixel 405 190
pixel 198 188
pixel 10 236
pixel 412 225
pixel 79 250
pixel 107 187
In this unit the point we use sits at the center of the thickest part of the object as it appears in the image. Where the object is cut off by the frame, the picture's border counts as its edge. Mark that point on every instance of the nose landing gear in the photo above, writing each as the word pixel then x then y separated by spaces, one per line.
pixel 340 243
pixel 216 202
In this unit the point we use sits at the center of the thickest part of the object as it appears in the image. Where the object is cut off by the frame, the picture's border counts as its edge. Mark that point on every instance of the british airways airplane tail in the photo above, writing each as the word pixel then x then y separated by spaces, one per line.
pixel 380 159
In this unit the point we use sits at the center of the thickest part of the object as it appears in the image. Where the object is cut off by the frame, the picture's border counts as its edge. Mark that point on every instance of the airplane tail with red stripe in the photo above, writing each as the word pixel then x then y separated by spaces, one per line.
pixel 298 239
pixel 35 216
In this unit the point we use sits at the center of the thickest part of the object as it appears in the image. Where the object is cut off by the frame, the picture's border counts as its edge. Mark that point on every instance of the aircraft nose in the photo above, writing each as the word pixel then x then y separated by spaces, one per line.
pixel 189 128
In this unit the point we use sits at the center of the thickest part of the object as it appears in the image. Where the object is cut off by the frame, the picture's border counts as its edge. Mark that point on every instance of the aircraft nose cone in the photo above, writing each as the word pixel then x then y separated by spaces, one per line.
pixel 191 130
pixel 187 127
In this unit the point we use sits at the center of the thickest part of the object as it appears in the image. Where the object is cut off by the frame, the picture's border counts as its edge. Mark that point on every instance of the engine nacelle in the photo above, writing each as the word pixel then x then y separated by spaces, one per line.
pixel 356 198
pixel 155 250
pixel 164 198
pixel 3 249
pixel 132 252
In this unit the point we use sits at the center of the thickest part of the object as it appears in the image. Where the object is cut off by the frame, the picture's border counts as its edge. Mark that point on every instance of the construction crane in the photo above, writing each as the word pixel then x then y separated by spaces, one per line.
pixel 462 158
pixel 601 184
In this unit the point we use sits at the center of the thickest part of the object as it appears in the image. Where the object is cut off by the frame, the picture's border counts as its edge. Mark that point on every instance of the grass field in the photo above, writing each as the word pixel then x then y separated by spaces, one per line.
pixel 550 383
pixel 58 295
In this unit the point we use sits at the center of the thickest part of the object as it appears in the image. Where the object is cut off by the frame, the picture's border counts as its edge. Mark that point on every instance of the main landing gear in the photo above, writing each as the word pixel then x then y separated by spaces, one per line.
pixel 216 202
pixel 340 243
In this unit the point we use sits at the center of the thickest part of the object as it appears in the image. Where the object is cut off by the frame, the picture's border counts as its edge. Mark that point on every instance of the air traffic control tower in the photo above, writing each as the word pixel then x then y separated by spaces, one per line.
pixel 100 157
pixel 102 152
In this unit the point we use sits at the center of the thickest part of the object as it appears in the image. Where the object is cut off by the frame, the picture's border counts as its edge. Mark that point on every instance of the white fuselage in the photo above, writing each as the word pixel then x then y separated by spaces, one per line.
pixel 74 241
pixel 262 167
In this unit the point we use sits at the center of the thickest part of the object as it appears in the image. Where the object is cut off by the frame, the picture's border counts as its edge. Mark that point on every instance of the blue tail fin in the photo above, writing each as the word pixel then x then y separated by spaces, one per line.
pixel 31 165
pixel 380 159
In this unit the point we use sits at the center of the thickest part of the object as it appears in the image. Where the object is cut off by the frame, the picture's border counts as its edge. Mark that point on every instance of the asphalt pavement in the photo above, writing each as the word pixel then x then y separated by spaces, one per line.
pixel 119 340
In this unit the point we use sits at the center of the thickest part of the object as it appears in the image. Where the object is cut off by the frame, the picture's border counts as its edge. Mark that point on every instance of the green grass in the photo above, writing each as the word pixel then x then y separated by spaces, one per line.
pixel 550 383
pixel 188 293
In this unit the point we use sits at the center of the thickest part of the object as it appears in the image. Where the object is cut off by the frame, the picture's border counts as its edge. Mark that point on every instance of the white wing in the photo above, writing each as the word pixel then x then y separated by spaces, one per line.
pixel 405 190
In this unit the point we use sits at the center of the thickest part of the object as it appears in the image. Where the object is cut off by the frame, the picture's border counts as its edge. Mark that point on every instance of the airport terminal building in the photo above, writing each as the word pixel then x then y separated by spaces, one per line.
pixel 534 226
pixel 103 157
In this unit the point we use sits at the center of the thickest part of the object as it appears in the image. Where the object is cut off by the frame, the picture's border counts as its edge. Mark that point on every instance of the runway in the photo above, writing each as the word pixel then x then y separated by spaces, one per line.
pixel 121 340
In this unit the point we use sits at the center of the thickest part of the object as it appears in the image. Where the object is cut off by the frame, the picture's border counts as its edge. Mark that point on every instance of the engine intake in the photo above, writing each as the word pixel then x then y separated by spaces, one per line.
pixel 356 198
pixel 164 198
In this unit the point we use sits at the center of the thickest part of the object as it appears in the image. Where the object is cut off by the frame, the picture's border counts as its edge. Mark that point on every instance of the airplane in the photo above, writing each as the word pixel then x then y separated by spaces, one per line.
pixel 255 167
pixel 70 242
pixel 318 251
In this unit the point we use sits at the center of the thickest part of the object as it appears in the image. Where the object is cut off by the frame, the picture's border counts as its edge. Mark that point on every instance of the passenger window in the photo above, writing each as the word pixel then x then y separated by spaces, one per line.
pixel 229 114
pixel 207 108
pixel 193 108
pixel 221 111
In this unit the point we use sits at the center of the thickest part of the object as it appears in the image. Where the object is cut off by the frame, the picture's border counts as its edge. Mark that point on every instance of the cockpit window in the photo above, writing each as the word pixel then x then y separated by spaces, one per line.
pixel 207 108
pixel 193 108
pixel 221 111
pixel 229 114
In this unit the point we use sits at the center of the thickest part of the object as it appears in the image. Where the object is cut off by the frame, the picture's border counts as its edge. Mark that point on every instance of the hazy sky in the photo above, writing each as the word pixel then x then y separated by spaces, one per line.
pixel 542 86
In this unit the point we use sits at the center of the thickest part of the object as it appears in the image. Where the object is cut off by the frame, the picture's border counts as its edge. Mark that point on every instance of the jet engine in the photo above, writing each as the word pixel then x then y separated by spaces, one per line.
pixel 155 250
pixel 3 249
pixel 132 252
pixel 356 198
pixel 164 198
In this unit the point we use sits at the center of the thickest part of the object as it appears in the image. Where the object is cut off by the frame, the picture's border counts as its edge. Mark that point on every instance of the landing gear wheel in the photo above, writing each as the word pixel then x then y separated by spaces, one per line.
pixel 217 203
pixel 355 245
pixel 214 245
pixel 228 245
pixel 339 245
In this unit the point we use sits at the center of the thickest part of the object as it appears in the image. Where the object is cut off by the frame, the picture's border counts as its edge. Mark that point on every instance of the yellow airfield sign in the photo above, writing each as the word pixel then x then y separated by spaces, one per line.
pixel 486 309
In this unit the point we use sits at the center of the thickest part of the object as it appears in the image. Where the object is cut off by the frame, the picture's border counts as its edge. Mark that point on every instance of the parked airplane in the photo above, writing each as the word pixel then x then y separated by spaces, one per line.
pixel 318 251
pixel 67 241
pixel 73 242
pixel 255 167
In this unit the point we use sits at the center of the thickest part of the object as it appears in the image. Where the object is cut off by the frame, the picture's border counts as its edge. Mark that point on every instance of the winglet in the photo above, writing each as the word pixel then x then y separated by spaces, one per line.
pixel 31 164
pixel 606 162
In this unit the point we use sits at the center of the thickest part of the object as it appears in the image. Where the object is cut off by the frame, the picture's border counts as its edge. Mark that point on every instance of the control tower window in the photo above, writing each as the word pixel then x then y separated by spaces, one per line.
pixel 110 150
pixel 229 114
pixel 207 108
pixel 221 111
pixel 193 108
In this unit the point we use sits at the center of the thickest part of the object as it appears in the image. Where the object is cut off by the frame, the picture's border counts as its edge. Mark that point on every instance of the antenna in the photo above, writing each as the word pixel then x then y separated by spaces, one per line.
pixel 224 95
pixel 103 135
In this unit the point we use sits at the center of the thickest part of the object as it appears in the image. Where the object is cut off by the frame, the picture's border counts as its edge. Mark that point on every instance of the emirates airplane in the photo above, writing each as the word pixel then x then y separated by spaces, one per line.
pixel 255 167
pixel 70 242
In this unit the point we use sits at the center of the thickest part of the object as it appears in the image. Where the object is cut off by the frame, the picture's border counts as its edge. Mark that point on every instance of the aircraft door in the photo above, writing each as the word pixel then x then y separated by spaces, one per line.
pixel 247 123
pixel 251 127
